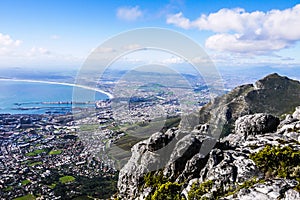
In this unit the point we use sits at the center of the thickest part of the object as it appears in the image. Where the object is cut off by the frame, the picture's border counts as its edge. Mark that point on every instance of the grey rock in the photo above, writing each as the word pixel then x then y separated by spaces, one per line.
pixel 273 94
pixel 194 152
pixel 144 159
pixel 296 114
pixel 256 124
pixel 291 195
pixel 271 189
pixel 186 149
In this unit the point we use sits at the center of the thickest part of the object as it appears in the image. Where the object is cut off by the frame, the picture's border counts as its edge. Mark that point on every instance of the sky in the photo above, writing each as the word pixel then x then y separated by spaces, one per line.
pixel 62 34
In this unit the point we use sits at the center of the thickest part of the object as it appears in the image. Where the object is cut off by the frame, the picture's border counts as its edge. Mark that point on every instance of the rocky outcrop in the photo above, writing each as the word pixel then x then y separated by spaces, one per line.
pixel 270 189
pixel 257 123
pixel 198 156
pixel 274 94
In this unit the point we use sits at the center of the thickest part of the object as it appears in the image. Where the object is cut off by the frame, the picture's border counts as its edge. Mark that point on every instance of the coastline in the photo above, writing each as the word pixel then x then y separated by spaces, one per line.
pixel 109 95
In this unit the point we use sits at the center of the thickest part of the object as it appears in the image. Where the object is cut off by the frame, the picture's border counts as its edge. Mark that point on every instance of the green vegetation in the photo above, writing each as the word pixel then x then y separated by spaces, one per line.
pixel 9 188
pixel 247 184
pixel 52 186
pixel 66 179
pixel 297 188
pixel 26 197
pixel 154 181
pixel 164 189
pixel 125 143
pixel 35 163
pixel 25 182
pixel 102 187
pixel 36 152
pixel 99 187
pixel 281 162
pixel 161 187
pixel 55 152
pixel 168 190
pixel 84 198
pixel 89 127
pixel 278 161
pixel 198 190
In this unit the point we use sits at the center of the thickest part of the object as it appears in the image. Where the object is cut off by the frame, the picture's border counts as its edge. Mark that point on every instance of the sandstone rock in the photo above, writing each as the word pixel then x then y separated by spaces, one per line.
pixel 144 158
pixel 291 195
pixel 256 124
pixel 296 114
pixel 194 152
pixel 271 189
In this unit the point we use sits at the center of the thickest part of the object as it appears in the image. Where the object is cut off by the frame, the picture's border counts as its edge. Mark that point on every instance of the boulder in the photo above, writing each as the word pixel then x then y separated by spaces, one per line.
pixel 256 124
pixel 271 189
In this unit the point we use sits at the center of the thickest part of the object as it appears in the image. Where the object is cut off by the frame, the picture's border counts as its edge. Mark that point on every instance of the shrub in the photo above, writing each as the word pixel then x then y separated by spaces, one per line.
pixel 281 162
pixel 198 190
pixel 161 187
pixel 168 190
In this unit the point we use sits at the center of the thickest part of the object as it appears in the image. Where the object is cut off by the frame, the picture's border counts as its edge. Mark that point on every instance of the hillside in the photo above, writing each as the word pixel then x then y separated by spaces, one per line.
pixel 257 156
pixel 273 94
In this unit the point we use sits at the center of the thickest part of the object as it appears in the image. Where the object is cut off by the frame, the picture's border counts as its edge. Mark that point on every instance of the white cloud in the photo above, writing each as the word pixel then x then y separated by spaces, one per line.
pixel 14 53
pixel 129 13
pixel 246 32
pixel 235 43
pixel 37 51
pixel 6 40
pixel 179 20
pixel 8 45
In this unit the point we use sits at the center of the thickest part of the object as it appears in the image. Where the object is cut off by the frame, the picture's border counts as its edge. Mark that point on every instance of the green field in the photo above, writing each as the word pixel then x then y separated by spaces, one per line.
pixel 25 182
pixel 26 197
pixel 120 150
pixel 89 127
pixel 35 163
pixel 55 152
pixel 36 152
pixel 66 179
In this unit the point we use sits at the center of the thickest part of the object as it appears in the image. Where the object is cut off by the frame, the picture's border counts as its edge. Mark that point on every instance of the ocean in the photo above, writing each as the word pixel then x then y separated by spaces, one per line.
pixel 23 97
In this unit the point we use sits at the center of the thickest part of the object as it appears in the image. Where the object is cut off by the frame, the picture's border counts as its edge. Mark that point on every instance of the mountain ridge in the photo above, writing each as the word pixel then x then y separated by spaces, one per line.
pixel 192 162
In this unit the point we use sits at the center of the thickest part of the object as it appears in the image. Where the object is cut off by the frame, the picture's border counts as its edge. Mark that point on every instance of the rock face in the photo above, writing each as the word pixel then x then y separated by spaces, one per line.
pixel 271 189
pixel 257 123
pixel 198 155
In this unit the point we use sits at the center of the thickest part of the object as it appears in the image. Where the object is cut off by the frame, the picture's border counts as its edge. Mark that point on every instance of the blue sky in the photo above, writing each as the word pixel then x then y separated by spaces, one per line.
pixel 54 33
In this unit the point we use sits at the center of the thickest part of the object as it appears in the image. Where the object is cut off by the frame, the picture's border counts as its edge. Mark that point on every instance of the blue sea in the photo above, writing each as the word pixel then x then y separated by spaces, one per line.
pixel 38 98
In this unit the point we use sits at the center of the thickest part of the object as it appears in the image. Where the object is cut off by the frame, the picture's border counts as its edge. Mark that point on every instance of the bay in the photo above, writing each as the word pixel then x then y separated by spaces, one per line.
pixel 25 97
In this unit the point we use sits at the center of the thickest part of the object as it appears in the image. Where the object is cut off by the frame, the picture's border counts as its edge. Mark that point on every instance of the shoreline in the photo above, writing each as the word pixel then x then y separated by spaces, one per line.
pixel 109 95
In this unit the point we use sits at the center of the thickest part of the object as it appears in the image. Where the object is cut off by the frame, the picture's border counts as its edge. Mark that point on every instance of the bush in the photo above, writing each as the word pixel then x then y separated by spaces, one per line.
pixel 161 187
pixel 154 181
pixel 278 161
pixel 198 190
pixel 167 190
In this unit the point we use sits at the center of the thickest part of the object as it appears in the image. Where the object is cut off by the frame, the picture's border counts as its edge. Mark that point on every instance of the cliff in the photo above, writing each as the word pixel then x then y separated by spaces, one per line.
pixel 236 148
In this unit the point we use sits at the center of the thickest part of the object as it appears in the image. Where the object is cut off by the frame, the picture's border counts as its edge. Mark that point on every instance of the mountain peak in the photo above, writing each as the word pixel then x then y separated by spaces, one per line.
pixel 182 162
pixel 275 81
pixel 272 94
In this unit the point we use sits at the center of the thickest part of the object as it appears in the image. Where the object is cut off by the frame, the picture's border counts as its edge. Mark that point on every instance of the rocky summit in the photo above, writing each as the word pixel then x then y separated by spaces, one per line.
pixel 242 145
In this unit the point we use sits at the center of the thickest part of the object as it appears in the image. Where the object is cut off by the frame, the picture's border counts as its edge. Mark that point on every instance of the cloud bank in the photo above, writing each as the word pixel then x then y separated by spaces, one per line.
pixel 239 31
